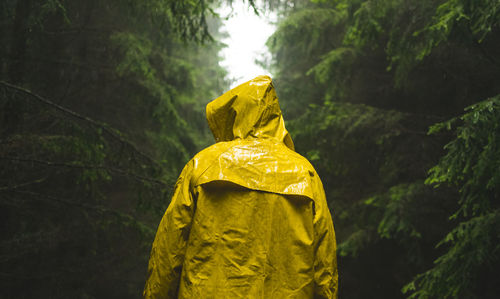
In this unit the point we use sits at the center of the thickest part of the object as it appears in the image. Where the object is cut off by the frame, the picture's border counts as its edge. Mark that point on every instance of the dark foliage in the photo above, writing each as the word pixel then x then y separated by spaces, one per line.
pixel 101 105
pixel 363 81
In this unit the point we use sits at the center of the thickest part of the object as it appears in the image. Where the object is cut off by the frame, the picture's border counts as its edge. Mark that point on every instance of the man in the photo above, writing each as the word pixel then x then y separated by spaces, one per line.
pixel 248 218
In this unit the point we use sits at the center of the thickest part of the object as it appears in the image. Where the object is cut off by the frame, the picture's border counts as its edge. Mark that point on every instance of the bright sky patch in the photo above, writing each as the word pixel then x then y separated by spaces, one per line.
pixel 248 34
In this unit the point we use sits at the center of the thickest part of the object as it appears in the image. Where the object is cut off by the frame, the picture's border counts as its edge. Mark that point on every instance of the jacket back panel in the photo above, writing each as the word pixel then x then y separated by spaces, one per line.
pixel 248 244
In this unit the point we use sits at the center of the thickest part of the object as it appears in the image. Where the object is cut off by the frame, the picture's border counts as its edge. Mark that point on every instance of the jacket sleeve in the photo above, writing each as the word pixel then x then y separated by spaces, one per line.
pixel 169 246
pixel 325 260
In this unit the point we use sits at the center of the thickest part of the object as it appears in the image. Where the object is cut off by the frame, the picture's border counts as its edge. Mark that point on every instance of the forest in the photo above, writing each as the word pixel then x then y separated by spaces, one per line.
pixel 396 103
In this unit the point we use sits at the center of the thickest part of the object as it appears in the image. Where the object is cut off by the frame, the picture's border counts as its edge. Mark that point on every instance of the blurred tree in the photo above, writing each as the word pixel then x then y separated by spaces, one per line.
pixel 362 81
pixel 102 103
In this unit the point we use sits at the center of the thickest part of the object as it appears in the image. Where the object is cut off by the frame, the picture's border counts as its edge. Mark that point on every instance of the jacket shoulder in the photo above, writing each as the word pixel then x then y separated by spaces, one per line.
pixel 255 164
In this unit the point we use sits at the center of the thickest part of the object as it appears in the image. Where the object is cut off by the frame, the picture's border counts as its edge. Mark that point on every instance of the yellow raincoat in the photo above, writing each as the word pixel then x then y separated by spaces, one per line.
pixel 248 218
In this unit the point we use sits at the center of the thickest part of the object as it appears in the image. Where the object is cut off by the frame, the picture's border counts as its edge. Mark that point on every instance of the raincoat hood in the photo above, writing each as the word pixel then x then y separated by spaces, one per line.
pixel 250 110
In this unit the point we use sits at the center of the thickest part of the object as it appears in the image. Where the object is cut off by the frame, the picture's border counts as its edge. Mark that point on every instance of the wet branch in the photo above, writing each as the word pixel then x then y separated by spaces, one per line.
pixel 105 128
pixel 139 178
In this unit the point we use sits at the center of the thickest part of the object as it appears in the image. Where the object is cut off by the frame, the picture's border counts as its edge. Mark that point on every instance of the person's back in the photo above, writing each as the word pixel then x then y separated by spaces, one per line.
pixel 249 217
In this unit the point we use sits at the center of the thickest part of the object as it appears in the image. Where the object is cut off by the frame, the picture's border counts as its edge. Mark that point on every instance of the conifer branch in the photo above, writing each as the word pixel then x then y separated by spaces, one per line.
pixel 139 178
pixel 104 127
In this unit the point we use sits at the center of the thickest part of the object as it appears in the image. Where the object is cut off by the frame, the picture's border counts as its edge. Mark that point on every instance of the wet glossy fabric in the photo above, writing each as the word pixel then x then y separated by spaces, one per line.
pixel 248 218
